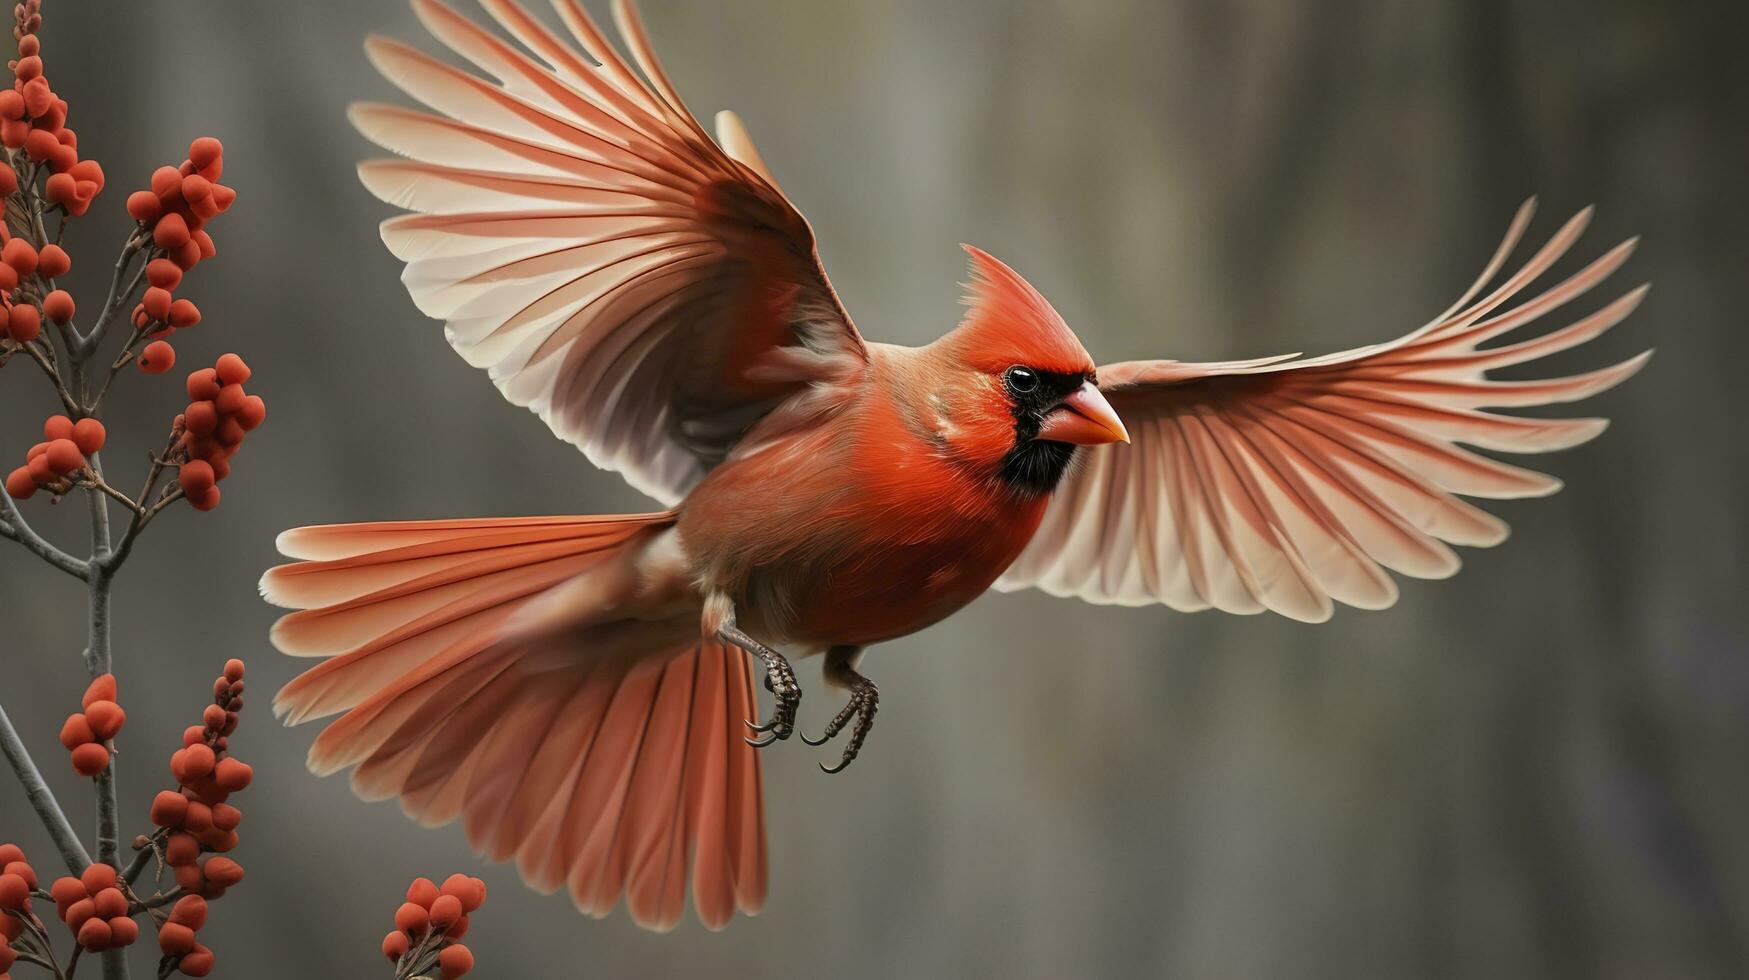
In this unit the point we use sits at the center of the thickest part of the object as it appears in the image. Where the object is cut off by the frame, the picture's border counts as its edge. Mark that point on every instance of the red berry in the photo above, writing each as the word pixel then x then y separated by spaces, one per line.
pixel 123 931
pixel 253 413
pixel 231 370
pixel 20 255
pixel 64 456
pixel 101 688
pixel 61 188
pixel 181 850
pixel 422 892
pixel 79 913
pixel 395 945
pixel 14 891
pixel 76 732
pixel 168 808
pixel 24 323
pixel 190 910
pixel 455 960
pixel 471 891
pixel 203 385
pixel 223 871
pixel 195 478
pixel 166 180
pixel 66 891
pixel 198 963
pixel 412 918
pixel 231 399
pixel 205 500
pixel 94 934
pixel 157 358
pixel 226 817
pixel 58 306
pixel 89 435
pixel 163 273
pixel 186 255
pixel 90 759
pixel 157 302
pixel 233 775
pixel 198 762
pixel 170 232
pixel 20 484
pixel 109 902
pixel 184 313
pixel 39 469
pixel 200 418
pixel 96 878
pixel 106 718
pixel 445 912
pixel 233 670
pixel 174 939
pixel 204 152
pixel 144 206
pixel 39 144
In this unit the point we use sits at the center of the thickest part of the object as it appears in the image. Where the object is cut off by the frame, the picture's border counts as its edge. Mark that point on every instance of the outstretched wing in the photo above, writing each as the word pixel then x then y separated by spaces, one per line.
pixel 1285 484
pixel 649 293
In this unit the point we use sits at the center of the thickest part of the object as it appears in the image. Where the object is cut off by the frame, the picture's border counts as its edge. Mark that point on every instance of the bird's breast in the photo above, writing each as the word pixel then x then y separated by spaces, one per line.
pixel 852 534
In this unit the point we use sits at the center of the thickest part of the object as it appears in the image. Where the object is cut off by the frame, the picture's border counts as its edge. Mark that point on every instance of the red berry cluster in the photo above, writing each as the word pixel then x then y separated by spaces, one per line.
pixel 182 200
pixel 21 318
pixel 54 463
pixel 430 924
pixel 34 119
pixel 88 732
pixel 220 414
pixel 197 817
pixel 17 881
pixel 176 938
pixel 95 909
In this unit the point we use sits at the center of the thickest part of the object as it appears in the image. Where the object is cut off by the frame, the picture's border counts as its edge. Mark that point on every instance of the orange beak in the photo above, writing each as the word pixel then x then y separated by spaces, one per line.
pixel 1084 418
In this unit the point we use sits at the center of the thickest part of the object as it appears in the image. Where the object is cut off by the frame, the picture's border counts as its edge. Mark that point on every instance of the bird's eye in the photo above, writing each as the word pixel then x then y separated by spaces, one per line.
pixel 1021 380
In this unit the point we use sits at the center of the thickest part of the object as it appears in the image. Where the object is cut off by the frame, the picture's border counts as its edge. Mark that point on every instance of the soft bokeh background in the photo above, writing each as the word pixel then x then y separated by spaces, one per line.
pixel 1534 770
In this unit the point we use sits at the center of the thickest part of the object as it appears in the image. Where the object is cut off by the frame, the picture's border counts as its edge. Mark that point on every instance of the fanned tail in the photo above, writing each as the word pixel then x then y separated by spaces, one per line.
pixel 486 670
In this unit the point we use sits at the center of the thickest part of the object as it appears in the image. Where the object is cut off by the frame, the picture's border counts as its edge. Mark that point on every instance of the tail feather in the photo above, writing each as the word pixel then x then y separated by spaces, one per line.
pixel 607 758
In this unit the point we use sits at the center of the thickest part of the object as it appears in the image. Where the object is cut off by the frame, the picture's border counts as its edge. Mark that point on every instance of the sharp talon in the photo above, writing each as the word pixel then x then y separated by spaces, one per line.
pixel 760 743
pixel 822 740
pixel 768 726
pixel 830 770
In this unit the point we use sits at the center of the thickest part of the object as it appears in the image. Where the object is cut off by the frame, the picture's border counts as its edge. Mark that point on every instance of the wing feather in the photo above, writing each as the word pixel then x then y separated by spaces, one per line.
pixel 586 241
pixel 1291 483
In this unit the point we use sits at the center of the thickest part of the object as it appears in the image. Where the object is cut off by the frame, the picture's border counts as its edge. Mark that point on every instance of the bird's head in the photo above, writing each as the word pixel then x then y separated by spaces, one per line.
pixel 1032 384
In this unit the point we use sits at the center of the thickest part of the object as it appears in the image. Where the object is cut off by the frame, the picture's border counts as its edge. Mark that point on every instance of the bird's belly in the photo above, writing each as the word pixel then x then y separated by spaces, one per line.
pixel 896 588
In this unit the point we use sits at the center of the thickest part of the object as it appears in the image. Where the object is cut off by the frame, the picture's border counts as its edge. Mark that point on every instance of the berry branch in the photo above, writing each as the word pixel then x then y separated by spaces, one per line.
pixel 43 176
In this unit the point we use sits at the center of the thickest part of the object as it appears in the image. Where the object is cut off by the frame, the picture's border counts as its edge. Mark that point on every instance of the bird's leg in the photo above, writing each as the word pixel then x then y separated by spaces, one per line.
pixel 780 680
pixel 865 700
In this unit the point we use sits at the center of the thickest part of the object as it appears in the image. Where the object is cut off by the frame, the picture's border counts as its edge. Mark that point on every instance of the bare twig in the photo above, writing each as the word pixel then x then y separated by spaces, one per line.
pixel 68 402
pixel 119 295
pixel 14 526
pixel 42 799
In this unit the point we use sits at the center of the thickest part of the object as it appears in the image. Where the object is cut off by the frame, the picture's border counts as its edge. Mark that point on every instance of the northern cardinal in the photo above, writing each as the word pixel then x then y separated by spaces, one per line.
pixel 575 688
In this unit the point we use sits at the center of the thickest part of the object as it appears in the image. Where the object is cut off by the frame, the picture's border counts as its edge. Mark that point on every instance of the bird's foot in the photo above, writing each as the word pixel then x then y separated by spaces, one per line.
pixel 865 700
pixel 780 680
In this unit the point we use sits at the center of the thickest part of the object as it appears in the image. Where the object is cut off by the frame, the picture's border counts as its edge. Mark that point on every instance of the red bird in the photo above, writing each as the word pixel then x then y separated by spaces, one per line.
pixel 574 688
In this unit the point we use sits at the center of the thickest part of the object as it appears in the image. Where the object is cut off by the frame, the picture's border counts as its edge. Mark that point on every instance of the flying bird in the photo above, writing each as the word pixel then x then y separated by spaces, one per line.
pixel 579 691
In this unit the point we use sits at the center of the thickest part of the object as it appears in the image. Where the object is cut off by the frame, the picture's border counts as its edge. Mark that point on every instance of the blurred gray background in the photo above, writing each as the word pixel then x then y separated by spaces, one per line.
pixel 1534 770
